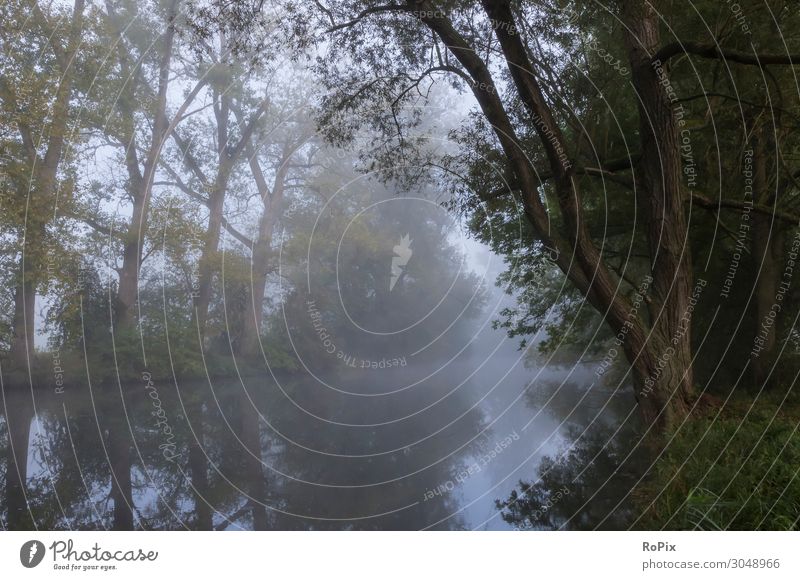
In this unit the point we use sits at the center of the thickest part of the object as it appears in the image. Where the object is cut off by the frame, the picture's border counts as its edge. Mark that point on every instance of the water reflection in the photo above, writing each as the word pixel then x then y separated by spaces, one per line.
pixel 498 452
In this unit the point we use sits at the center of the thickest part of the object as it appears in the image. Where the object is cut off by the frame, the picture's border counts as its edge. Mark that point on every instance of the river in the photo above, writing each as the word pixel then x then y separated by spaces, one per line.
pixel 428 445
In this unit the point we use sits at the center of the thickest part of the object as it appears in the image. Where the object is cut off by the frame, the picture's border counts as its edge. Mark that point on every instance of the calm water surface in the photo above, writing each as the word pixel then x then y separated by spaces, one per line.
pixel 427 445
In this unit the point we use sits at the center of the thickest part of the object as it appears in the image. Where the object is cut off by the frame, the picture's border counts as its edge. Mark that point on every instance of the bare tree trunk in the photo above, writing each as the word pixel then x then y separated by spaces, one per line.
pixel 141 181
pixel 216 207
pixel 227 156
pixel 273 207
pixel 23 327
pixel 131 261
pixel 208 259
pixel 254 307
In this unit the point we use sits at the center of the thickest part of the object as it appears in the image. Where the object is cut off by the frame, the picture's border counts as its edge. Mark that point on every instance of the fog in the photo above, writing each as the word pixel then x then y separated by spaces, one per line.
pixel 406 409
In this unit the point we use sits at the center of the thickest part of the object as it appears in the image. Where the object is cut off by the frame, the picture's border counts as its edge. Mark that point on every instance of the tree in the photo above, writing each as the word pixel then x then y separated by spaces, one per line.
pixel 41 115
pixel 228 89
pixel 288 155
pixel 511 98
pixel 492 49
pixel 141 159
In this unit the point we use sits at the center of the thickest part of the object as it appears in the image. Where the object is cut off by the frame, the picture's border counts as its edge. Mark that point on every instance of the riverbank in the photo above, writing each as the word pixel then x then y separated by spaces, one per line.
pixel 61 371
pixel 734 466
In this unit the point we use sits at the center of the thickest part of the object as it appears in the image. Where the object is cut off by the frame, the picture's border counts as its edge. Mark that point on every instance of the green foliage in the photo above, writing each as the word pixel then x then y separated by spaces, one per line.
pixel 278 353
pixel 734 469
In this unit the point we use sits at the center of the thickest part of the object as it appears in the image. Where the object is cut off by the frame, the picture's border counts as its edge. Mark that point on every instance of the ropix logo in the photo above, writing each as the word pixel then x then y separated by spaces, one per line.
pixel 31 553
pixel 402 254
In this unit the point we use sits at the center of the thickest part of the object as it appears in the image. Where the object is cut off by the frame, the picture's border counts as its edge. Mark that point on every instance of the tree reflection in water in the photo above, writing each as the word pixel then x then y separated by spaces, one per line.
pixel 244 458
pixel 586 484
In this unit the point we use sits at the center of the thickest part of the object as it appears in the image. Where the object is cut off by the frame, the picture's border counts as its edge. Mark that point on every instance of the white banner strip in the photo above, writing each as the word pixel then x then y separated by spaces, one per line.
pixel 380 555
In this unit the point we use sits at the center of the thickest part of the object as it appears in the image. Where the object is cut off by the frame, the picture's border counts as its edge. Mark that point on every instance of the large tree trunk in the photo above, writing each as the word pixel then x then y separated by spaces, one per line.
pixel 273 207
pixel 127 292
pixel 23 327
pixel 575 253
pixel 660 381
pixel 254 307
pixel 208 259
pixel 666 344
pixel 767 246
pixel 661 193
pixel 767 252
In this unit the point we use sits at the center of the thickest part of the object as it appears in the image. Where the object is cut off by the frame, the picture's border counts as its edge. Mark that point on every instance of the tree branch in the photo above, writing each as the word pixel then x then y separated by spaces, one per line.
pixel 708 203
pixel 364 13
pixel 714 51
pixel 204 200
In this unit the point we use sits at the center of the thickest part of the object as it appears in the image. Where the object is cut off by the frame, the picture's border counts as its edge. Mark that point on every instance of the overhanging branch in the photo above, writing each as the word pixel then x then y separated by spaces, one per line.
pixel 714 51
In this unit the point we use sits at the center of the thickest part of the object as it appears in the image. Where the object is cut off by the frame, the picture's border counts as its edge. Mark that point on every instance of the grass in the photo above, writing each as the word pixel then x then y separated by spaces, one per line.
pixel 735 467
